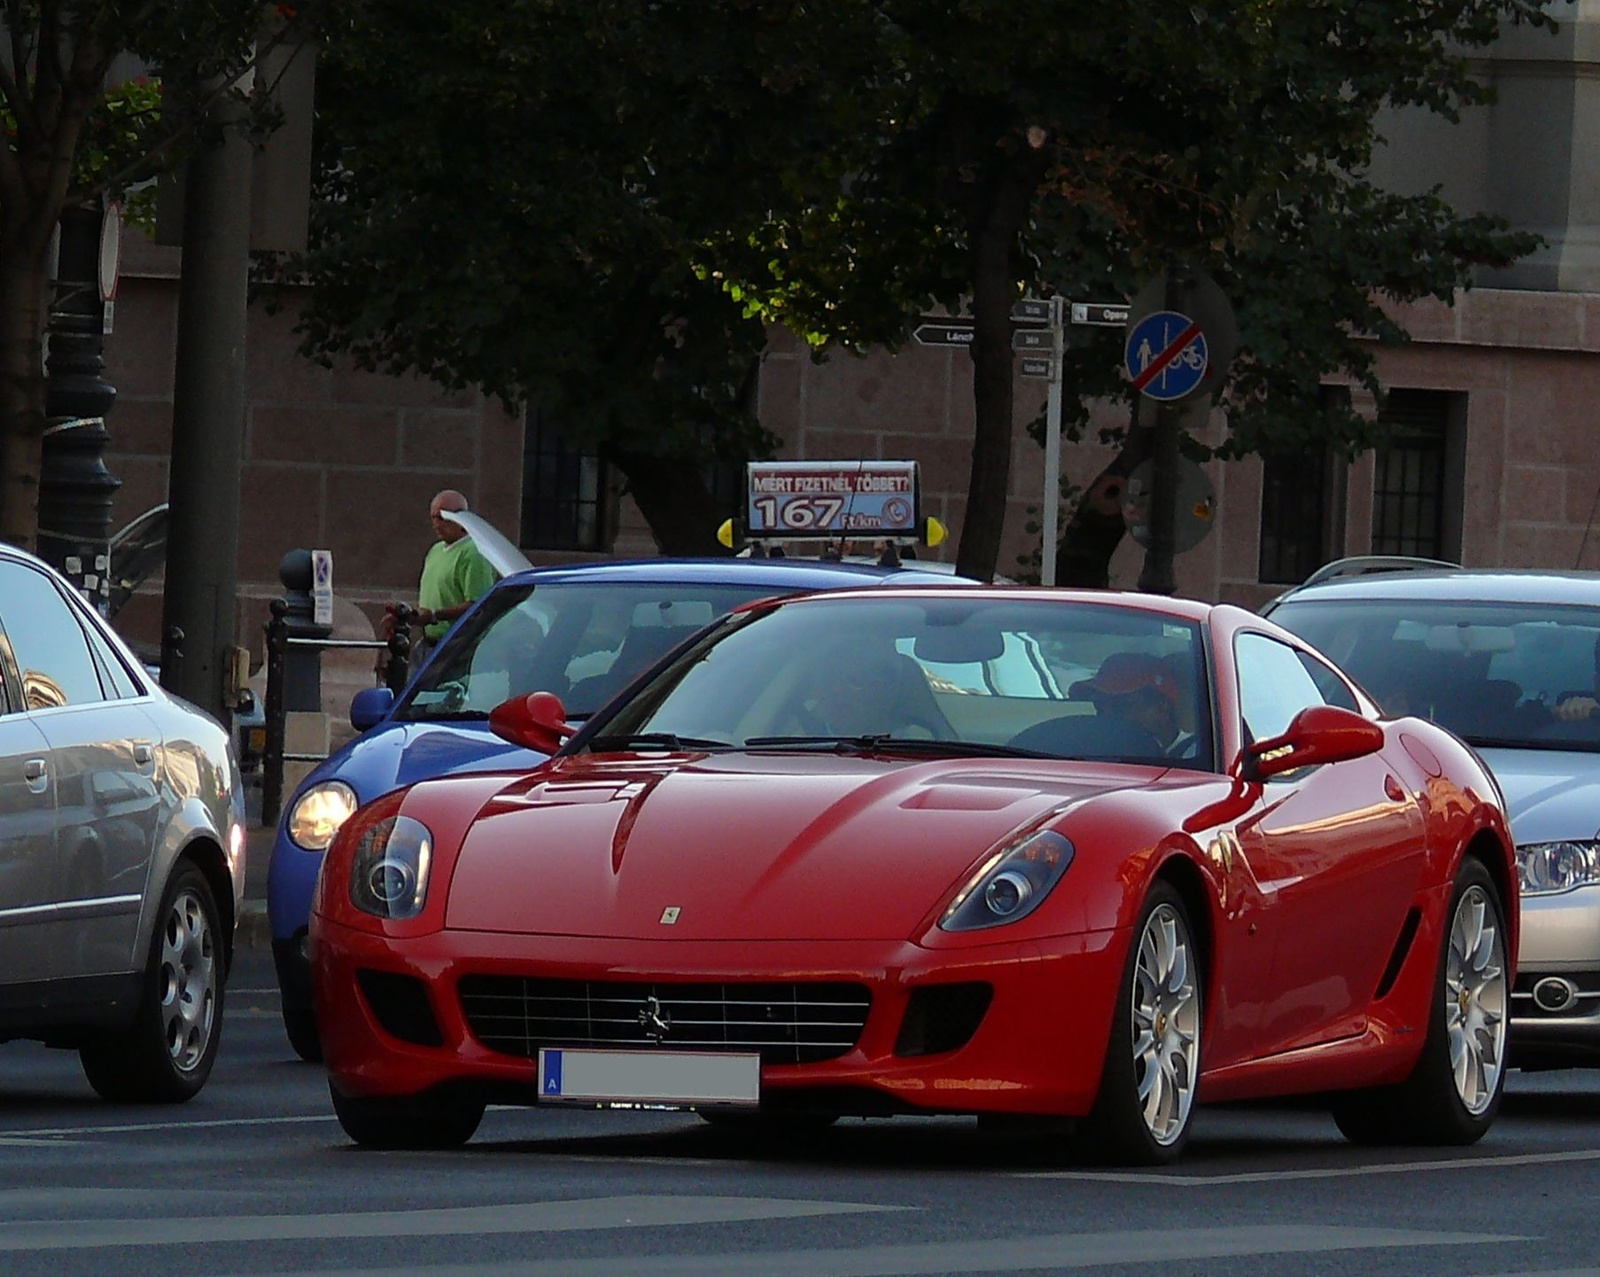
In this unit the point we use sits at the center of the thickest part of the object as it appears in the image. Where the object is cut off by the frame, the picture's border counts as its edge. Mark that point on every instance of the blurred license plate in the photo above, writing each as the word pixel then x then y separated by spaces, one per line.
pixel 648 1077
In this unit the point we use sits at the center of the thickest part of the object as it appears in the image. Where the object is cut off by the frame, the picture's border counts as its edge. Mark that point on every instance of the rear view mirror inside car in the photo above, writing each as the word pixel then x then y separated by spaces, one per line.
pixel 959 645
pixel 1470 638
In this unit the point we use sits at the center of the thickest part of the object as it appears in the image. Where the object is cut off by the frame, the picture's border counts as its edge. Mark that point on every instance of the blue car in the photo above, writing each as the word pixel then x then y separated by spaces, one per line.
pixel 584 632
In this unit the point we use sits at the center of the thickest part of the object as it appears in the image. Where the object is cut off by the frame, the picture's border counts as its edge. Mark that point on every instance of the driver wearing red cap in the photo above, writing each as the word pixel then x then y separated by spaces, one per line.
pixel 1138 687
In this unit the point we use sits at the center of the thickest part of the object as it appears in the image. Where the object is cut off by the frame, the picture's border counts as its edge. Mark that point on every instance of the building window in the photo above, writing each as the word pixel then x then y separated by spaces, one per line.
pixel 1411 512
pixel 563 491
pixel 1302 507
pixel 1294 503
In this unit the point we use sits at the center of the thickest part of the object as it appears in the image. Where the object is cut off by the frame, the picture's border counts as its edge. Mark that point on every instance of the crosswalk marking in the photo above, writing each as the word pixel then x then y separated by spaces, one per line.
pixel 934 1259
pixel 1468 1163
pixel 467 1221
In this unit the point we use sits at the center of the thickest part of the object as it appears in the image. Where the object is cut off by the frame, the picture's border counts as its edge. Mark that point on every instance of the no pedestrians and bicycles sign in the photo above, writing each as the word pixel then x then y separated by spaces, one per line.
pixel 1166 356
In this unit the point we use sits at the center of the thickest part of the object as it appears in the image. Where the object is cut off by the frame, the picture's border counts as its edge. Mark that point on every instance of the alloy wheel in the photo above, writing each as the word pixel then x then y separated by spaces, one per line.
pixel 188 981
pixel 1475 1000
pixel 1166 1025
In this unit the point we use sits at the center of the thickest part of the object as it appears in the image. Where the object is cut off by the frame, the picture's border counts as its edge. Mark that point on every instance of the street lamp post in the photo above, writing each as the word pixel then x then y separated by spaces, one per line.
pixel 76 490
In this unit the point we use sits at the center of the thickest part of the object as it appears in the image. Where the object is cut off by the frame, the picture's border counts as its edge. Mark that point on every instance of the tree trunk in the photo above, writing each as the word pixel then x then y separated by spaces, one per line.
pixel 1096 529
pixel 989 484
pixel 672 495
pixel 23 287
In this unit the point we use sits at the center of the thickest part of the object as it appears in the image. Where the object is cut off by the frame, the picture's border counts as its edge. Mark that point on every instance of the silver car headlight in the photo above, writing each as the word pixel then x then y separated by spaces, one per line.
pixel 389 873
pixel 1011 884
pixel 317 814
pixel 1544 868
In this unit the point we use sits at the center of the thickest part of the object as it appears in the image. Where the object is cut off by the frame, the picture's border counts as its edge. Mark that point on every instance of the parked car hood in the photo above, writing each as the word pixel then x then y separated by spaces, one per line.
pixel 748 846
pixel 1551 794
pixel 394 754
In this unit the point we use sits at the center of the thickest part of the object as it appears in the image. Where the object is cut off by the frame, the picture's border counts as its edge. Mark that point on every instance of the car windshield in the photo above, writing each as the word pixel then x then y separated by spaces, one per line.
pixel 584 642
pixel 1496 674
pixel 935 676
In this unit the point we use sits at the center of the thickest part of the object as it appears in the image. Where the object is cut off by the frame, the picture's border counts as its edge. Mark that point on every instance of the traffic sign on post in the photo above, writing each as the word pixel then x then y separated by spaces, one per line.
pixel 1166 355
pixel 1100 314
pixel 944 332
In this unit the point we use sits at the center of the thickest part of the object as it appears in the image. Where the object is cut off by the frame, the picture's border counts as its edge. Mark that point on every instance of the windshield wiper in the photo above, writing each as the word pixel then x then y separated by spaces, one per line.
pixel 884 743
pixel 660 740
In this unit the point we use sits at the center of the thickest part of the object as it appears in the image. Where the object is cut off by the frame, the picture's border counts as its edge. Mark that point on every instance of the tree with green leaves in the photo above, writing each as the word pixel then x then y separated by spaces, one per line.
pixel 76 132
pixel 512 195
pixel 1078 148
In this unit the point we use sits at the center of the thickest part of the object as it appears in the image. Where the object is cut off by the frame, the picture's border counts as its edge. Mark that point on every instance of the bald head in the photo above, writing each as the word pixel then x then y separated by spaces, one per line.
pixel 447 530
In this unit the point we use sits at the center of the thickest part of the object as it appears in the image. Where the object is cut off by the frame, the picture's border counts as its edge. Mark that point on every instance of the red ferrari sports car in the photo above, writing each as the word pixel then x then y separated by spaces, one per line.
pixel 983 851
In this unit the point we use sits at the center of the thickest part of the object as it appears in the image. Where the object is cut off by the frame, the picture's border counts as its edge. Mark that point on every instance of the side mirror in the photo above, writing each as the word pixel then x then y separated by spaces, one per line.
pixel 1320 734
pixel 537 721
pixel 370 706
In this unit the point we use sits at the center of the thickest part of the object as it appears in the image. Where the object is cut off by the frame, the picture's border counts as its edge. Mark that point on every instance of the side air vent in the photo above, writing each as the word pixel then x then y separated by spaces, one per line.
pixel 400 1003
pixel 942 1017
pixel 1402 947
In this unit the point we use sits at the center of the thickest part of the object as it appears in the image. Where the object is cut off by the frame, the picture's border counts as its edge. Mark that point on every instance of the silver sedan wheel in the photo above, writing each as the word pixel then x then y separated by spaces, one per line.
pixel 1475 1000
pixel 188 981
pixel 1166 1025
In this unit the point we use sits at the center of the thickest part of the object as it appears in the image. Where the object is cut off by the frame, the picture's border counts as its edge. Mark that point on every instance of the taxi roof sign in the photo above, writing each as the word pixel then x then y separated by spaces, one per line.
pixel 801 500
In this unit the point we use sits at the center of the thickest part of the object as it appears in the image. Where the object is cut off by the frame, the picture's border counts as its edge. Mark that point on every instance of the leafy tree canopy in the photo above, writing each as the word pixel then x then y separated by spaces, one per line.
pixel 511 196
pixel 1099 142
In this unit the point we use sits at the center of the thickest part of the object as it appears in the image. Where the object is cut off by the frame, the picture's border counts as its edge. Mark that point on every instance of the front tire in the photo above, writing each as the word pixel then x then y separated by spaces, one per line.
pixel 301 1027
pixel 166 1054
pixel 1454 1091
pixel 428 1121
pixel 1142 1114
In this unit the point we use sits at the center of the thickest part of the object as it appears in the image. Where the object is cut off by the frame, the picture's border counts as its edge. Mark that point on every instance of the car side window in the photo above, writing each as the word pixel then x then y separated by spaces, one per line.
pixel 1274 685
pixel 1333 689
pixel 47 642
pixel 113 671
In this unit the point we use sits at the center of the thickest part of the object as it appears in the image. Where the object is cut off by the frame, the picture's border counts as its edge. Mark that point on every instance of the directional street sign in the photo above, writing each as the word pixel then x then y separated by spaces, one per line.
pixel 1034 367
pixel 1166 355
pixel 944 332
pixel 1032 339
pixel 1100 314
pixel 1031 310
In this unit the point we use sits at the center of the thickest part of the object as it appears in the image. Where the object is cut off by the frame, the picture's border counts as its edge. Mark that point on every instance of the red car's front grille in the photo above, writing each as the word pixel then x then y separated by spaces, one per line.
pixel 788 1023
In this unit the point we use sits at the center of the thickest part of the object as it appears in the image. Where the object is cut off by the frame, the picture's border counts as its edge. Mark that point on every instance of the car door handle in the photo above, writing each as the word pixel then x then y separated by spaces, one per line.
pixel 143 755
pixel 36 772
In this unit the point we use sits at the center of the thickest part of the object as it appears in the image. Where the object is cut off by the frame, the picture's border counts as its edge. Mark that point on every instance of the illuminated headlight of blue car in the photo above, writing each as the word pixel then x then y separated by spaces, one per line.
pixel 1544 868
pixel 1011 884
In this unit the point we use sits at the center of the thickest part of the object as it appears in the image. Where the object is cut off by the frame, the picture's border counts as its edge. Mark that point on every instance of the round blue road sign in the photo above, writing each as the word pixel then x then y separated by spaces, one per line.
pixel 1166 355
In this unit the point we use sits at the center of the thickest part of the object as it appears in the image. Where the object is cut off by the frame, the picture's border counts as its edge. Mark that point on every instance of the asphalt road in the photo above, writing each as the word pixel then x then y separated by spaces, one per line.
pixel 254 1176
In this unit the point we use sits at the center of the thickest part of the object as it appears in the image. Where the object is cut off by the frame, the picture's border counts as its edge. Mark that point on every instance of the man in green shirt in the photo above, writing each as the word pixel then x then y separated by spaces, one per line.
pixel 454 574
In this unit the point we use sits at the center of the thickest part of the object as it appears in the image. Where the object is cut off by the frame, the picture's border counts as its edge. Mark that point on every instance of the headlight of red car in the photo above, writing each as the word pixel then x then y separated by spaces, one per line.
pixel 1011 884
pixel 390 866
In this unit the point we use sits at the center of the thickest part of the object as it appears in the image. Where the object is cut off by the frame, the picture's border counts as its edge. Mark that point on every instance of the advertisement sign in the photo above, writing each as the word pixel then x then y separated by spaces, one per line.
pixel 831 498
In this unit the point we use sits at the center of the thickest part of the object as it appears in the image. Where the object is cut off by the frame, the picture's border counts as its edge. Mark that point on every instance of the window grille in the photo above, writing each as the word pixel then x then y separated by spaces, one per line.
pixel 563 491
pixel 1408 488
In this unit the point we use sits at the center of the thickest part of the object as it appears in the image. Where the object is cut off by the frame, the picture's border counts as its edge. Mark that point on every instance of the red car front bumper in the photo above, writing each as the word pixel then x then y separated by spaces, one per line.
pixel 1038 1048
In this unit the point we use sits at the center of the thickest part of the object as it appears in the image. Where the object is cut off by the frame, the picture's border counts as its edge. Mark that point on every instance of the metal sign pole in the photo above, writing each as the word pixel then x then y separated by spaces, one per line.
pixel 1052 447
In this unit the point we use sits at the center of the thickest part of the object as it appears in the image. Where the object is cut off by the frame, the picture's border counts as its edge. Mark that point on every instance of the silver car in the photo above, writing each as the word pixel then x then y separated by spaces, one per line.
pixel 1510 662
pixel 121 849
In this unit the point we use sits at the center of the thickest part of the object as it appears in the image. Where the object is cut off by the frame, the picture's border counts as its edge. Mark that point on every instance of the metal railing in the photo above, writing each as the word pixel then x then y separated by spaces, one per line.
pixel 395 674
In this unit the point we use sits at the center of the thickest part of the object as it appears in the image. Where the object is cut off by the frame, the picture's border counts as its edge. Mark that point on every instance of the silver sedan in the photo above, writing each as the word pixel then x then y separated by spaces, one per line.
pixel 121 849
pixel 1510 662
